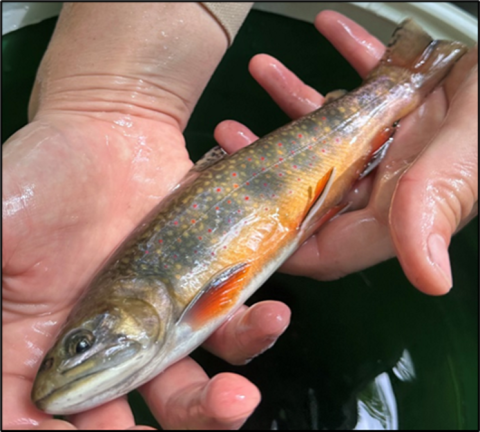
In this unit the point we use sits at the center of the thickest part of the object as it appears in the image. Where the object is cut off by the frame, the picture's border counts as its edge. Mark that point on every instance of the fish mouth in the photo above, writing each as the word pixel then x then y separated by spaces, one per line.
pixel 85 382
pixel 43 402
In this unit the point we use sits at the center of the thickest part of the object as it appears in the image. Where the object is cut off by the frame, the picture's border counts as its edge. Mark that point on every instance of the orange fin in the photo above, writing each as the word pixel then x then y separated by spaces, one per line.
pixel 380 145
pixel 321 191
pixel 217 297
pixel 315 224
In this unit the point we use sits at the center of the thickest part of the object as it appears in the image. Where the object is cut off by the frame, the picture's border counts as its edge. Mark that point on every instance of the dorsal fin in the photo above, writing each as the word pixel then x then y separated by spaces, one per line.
pixel 210 158
pixel 217 297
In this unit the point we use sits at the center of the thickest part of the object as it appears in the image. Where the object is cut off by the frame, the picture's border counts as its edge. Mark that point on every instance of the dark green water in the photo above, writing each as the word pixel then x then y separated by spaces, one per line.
pixel 367 350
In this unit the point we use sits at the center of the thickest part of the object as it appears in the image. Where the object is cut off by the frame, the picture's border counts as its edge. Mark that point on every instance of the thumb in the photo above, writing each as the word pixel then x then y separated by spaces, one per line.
pixel 438 194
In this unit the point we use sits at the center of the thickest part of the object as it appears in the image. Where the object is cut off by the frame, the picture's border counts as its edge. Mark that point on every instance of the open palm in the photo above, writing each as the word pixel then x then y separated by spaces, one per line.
pixel 75 184
pixel 421 193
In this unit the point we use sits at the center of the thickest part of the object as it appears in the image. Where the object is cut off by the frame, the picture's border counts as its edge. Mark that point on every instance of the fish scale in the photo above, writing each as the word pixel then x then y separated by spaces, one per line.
pixel 190 236
pixel 225 229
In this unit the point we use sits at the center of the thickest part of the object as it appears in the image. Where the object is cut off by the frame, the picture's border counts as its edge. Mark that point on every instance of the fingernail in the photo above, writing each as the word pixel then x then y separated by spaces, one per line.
pixel 437 248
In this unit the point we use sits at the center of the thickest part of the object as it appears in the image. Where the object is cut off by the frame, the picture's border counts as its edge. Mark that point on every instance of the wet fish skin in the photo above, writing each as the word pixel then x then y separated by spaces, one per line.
pixel 230 224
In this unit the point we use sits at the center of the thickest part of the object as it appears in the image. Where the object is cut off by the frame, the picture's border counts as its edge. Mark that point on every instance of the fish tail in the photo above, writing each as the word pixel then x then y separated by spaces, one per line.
pixel 412 51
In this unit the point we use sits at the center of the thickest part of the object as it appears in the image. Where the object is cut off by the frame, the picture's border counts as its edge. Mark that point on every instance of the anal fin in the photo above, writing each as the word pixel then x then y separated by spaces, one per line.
pixel 380 146
pixel 321 191
pixel 216 298
pixel 316 223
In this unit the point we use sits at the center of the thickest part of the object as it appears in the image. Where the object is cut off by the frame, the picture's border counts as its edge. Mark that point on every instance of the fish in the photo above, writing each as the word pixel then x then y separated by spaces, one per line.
pixel 230 223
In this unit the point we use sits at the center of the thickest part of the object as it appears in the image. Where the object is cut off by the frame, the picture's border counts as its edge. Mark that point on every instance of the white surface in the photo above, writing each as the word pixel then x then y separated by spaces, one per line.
pixel 441 20
pixel 16 15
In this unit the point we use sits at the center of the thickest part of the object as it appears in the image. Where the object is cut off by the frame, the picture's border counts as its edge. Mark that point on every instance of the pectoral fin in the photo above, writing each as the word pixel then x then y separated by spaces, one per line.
pixel 218 297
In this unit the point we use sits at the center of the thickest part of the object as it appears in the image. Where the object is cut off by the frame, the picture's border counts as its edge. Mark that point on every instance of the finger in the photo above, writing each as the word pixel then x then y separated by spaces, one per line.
pixel 183 397
pixel 360 239
pixel 250 332
pixel 115 414
pixel 346 244
pixel 232 136
pixel 437 194
pixel 55 425
pixel 290 93
pixel 362 50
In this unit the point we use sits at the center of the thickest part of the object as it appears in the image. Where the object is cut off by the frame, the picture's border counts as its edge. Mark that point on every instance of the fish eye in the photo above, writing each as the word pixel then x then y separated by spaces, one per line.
pixel 79 342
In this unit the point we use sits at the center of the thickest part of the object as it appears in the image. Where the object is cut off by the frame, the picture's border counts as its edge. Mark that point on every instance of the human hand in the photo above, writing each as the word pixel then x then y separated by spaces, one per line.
pixel 422 192
pixel 101 151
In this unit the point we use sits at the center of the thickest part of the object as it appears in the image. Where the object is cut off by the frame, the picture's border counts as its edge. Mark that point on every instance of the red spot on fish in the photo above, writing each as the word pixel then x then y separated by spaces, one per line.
pixel 195 206
pixel 247 183
pixel 200 238
pixel 166 266
pixel 247 198
pixel 229 220
pixel 219 189
pixel 309 147
pixel 293 151
pixel 294 166
pixel 262 158
pixel 239 211
pixel 209 230
pixel 217 208
pixel 280 174
pixel 175 223
pixel 160 241
pixel 213 253
pixel 234 174
pixel 224 247
pixel 323 150
pixel 280 159
pixel 299 179
pixel 235 185
pixel 193 221
pixel 175 256
pixel 266 208
pixel 324 141
pixel 324 118
pixel 279 144
pixel 229 202
pixel 273 195
pixel 195 251
pixel 264 184
pixel 263 169
pixel 249 159
pixel 179 240
pixel 337 140
pixel 146 251
pixel 290 192
pixel 293 142
pixel 300 135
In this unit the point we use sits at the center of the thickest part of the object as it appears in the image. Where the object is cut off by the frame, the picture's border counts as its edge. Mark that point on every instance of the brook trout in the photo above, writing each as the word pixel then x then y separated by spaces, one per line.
pixel 225 229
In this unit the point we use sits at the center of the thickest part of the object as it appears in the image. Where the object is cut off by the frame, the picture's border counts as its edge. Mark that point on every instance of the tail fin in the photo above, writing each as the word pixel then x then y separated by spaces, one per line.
pixel 412 50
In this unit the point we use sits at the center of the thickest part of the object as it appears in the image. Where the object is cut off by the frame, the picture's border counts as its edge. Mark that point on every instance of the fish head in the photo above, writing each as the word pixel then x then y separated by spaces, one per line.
pixel 97 354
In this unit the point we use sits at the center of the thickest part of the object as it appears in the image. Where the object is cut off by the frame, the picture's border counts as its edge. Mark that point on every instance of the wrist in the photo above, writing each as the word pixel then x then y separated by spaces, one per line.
pixel 145 59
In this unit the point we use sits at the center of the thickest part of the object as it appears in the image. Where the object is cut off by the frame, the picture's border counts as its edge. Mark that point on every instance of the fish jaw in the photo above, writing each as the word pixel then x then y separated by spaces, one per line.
pixel 88 390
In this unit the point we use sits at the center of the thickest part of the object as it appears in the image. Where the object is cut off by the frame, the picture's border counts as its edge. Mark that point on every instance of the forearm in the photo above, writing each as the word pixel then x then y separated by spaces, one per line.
pixel 146 59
